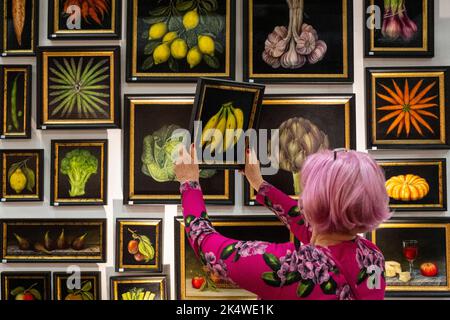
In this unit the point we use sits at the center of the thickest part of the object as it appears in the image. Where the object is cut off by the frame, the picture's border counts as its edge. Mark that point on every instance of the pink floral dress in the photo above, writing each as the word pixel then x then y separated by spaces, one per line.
pixel 349 270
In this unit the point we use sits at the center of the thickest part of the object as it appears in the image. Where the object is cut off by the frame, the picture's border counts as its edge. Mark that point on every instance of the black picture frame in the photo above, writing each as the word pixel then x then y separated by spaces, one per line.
pixel 138 113
pixel 73 229
pixel 423 47
pixel 434 171
pixel 11 125
pixel 145 282
pixel 83 119
pixel 333 114
pixel 166 74
pixel 28 34
pixel 137 227
pixel 339 16
pixel 99 189
pixel 249 97
pixel 10 194
pixel 61 291
pixel 425 225
pixel 112 30
pixel 27 279
pixel 245 228
pixel 438 139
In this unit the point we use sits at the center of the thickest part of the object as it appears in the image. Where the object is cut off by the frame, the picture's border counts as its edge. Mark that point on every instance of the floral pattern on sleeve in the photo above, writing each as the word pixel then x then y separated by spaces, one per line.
pixel 308 266
pixel 366 257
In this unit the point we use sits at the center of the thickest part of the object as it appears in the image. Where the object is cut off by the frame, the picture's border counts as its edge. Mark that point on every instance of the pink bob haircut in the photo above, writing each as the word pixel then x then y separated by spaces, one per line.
pixel 343 195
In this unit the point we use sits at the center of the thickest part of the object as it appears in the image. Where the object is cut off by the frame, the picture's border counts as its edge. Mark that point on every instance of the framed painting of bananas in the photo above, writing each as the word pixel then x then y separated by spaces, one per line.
pixel 408 108
pixel 28 286
pixel 53 240
pixel 416 184
pixel 180 40
pixel 195 281
pixel 323 122
pixel 79 172
pixel 139 288
pixel 15 102
pixel 224 111
pixel 19 27
pixel 78 87
pixel 399 28
pixel 22 175
pixel 298 41
pixel 87 289
pixel 139 245
pixel 150 141
pixel 84 19
pixel 417 258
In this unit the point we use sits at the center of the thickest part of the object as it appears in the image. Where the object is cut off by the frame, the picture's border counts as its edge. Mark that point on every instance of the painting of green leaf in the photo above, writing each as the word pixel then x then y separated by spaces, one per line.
pixel 79 88
pixel 160 151
pixel 184 36
pixel 16 108
pixel 21 178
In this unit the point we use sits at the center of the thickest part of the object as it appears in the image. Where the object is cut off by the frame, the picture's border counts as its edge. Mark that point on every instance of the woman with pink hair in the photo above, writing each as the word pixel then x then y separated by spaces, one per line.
pixel 344 195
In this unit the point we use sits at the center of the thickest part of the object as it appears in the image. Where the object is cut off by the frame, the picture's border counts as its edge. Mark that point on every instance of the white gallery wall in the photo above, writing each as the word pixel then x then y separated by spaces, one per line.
pixel 115 208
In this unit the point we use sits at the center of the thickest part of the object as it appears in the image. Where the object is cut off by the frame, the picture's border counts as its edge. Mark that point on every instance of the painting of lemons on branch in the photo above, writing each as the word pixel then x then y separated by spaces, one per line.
pixel 180 39
pixel 407 107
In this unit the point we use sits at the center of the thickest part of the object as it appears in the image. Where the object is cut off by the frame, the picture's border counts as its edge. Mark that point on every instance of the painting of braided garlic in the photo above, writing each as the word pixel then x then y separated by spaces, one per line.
pixel 299 41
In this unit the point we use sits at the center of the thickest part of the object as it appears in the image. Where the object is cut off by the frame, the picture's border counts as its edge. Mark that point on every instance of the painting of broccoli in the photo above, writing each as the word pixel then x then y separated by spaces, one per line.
pixel 79 165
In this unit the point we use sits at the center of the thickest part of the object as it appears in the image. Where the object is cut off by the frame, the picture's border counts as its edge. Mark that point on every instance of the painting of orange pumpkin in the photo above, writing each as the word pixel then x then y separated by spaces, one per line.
pixel 407 187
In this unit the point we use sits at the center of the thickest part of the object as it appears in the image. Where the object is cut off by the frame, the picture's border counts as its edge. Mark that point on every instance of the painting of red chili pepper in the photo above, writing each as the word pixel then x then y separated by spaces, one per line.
pixel 86 19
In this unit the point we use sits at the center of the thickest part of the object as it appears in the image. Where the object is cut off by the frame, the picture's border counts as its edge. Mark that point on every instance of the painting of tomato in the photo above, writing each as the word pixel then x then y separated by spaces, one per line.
pixel 429 269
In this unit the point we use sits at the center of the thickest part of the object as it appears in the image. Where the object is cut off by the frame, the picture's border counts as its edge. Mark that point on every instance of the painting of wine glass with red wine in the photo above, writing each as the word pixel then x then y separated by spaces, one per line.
pixel 410 252
pixel 416 254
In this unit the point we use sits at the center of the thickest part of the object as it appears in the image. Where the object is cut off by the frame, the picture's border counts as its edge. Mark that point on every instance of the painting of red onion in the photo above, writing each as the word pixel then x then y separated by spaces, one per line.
pixel 396 22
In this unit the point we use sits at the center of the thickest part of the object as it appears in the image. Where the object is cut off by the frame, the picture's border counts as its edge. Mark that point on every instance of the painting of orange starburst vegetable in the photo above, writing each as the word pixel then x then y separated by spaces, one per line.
pixel 410 108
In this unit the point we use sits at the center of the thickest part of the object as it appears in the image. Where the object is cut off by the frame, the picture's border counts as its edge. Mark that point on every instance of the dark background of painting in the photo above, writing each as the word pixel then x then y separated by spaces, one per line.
pixel 429 173
pixel 20 100
pixel 432 246
pixel 36 233
pixel 329 118
pixel 214 98
pixel 31 164
pixel 325 17
pixel 11 41
pixel 125 287
pixel 74 115
pixel 144 7
pixel 415 13
pixel 43 283
pixel 276 234
pixel 150 118
pixel 382 128
pixel 85 276
pixel 93 185
pixel 86 25
pixel 149 231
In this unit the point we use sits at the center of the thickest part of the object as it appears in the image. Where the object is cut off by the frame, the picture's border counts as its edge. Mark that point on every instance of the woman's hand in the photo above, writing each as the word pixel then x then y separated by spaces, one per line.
pixel 186 166
pixel 252 170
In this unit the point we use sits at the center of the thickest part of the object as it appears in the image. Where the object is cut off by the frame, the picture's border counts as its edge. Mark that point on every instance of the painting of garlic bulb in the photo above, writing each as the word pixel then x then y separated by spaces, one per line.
pixel 398 28
pixel 299 41
pixel 293 46
pixel 306 125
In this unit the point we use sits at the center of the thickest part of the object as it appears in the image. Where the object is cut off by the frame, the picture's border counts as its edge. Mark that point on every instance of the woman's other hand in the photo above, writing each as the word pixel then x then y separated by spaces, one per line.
pixel 252 170
pixel 186 166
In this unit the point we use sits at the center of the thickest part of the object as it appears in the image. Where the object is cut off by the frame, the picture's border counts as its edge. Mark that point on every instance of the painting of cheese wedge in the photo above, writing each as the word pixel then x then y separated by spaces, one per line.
pixel 416 255
pixel 416 184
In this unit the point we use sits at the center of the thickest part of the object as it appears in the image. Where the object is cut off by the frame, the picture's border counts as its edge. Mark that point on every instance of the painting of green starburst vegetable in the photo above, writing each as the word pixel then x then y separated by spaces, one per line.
pixel 180 39
pixel 79 88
